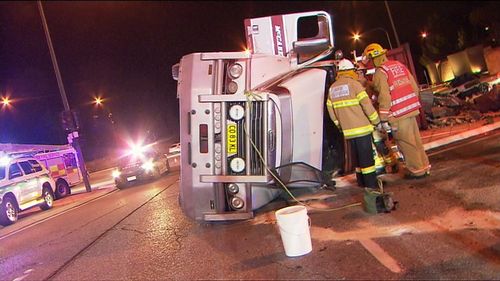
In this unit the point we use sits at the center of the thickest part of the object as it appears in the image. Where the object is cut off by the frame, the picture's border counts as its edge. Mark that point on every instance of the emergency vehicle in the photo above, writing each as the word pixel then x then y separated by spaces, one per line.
pixel 60 160
pixel 253 121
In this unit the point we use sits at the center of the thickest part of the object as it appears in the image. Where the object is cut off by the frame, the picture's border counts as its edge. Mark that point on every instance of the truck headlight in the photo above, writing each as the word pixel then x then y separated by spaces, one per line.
pixel 237 203
pixel 232 87
pixel 235 70
pixel 148 166
pixel 233 188
pixel 116 174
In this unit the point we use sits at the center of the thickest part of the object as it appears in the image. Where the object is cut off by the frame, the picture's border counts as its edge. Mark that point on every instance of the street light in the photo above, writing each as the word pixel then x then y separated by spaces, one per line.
pixel 423 34
pixel 357 36
pixel 98 101
pixel 5 102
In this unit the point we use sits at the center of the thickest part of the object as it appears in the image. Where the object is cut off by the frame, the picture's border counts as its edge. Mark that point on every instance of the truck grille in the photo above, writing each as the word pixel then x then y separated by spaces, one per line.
pixel 257 136
pixel 256 117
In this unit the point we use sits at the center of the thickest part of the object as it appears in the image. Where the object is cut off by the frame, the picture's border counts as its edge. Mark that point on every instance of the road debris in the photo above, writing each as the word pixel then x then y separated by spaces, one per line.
pixel 463 100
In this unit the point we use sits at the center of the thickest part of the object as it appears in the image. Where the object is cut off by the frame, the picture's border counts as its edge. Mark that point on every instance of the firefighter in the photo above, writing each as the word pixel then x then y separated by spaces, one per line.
pixel 352 112
pixel 398 98
pixel 385 158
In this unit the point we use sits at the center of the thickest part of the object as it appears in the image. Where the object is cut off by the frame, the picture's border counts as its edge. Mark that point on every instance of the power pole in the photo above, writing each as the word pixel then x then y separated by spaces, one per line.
pixel 392 22
pixel 74 127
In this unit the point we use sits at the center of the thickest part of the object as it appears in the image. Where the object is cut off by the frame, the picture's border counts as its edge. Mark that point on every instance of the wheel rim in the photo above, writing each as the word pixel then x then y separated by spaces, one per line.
pixel 48 198
pixel 10 211
pixel 61 188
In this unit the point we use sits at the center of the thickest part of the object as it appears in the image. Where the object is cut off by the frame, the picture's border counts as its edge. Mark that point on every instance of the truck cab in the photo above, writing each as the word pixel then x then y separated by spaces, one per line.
pixel 253 121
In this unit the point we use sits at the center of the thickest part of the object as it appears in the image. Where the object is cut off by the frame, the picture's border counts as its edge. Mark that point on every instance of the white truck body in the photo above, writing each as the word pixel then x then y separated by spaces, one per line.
pixel 245 115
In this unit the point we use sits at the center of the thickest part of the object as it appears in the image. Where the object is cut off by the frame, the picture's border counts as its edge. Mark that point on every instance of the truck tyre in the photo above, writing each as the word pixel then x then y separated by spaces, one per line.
pixel 8 211
pixel 62 189
pixel 48 198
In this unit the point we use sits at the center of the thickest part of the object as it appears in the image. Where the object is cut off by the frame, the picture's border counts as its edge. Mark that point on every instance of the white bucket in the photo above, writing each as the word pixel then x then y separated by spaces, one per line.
pixel 294 229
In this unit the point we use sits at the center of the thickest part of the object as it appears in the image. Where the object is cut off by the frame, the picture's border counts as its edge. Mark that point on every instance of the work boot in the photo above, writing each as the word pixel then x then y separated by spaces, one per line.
pixel 415 177
pixel 359 180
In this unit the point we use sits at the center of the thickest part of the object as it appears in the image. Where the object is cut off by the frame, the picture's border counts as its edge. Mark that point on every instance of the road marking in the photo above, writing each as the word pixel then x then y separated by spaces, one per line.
pixel 54 216
pixel 26 273
pixel 382 256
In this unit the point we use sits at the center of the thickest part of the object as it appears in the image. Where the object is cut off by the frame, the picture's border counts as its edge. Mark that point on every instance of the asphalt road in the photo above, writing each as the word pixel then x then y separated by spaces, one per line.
pixel 447 226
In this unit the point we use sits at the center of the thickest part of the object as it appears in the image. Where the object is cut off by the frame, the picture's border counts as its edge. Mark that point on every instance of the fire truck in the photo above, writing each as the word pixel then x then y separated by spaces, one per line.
pixel 252 121
pixel 60 160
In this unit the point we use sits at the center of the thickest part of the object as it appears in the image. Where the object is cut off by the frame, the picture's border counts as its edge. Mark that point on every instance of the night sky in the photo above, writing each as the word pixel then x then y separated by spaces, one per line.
pixel 124 51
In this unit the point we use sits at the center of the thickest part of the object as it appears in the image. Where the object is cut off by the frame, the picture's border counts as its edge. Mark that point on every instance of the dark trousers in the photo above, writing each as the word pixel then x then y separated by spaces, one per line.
pixel 362 159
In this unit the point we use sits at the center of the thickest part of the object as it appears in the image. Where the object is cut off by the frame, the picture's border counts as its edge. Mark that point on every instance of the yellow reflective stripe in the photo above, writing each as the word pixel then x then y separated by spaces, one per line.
pixel 368 170
pixel 373 116
pixel 345 103
pixel 358 131
pixel 378 162
pixel 388 160
pixel 329 103
pixel 361 95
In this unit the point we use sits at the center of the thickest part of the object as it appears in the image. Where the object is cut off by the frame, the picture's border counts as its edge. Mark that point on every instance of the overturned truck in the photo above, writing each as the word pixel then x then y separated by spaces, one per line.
pixel 253 121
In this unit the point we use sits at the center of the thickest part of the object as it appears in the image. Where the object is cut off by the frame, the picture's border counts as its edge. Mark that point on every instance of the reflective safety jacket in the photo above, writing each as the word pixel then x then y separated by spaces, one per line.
pixel 350 108
pixel 403 93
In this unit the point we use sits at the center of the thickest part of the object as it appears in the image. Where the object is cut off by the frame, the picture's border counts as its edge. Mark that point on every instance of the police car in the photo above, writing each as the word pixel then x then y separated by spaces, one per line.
pixel 139 164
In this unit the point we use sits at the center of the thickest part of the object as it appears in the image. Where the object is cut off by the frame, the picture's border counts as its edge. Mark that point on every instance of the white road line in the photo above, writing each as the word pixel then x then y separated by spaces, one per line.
pixel 54 216
pixel 382 256
pixel 26 273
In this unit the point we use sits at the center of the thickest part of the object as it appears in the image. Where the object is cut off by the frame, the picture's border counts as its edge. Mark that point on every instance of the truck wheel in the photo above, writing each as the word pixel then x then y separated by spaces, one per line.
pixel 8 211
pixel 48 198
pixel 62 189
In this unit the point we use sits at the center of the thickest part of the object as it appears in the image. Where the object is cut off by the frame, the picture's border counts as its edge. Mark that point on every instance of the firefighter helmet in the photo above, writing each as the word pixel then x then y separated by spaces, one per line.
pixel 345 64
pixel 374 50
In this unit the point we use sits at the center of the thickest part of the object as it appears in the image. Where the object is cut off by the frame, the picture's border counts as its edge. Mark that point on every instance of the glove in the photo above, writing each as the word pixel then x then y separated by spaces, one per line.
pixel 383 127
pixel 337 124
pixel 386 126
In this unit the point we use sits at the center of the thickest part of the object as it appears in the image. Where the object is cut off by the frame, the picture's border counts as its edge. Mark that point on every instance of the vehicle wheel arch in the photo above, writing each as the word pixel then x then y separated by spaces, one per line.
pixel 6 217
pixel 13 197
pixel 49 186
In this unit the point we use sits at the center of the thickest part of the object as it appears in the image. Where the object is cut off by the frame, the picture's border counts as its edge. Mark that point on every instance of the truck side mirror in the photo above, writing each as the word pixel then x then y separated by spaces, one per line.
pixel 307 48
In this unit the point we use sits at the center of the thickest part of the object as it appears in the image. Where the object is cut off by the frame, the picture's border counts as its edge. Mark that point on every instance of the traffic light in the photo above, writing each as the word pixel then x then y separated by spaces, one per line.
pixel 69 120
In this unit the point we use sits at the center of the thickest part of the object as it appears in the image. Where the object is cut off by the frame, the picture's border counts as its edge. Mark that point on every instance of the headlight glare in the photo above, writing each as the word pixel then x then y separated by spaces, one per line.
pixel 116 173
pixel 148 166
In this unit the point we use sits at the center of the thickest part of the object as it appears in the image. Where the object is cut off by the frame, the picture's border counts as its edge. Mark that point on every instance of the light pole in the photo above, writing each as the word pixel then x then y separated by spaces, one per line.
pixel 392 22
pixel 357 36
pixel 74 132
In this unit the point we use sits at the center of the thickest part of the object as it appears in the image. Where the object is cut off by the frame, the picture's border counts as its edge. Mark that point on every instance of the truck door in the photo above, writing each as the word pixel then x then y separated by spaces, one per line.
pixel 31 187
pixel 20 186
